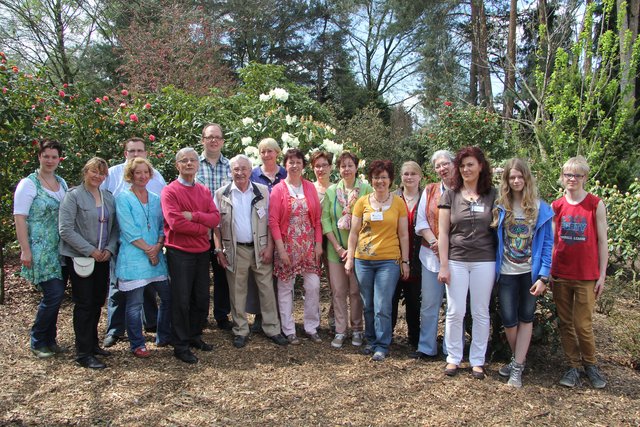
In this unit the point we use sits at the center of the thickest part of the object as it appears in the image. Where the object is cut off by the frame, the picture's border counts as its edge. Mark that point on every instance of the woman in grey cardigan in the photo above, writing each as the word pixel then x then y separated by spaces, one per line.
pixel 88 228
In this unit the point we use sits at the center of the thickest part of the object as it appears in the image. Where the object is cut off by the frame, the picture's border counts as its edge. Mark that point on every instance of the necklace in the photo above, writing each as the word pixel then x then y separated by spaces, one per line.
pixel 297 191
pixel 47 183
pixel 384 201
pixel 147 213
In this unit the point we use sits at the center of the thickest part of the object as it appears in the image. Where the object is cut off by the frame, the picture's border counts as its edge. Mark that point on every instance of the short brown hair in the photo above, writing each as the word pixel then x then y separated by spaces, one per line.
pixel 50 144
pixel 320 154
pixel 294 152
pixel 97 163
pixel 347 155
pixel 379 166
pixel 133 139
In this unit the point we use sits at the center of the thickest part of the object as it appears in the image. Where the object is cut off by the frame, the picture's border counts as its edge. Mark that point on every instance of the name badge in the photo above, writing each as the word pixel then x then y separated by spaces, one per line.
pixel 376 216
pixel 261 213
pixel 477 208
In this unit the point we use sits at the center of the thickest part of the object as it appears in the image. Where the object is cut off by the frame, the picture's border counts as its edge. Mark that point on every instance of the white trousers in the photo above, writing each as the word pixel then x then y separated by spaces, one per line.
pixel 477 279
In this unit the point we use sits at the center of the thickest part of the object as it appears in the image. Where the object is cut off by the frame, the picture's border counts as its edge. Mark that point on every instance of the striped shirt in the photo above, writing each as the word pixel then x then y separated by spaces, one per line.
pixel 214 176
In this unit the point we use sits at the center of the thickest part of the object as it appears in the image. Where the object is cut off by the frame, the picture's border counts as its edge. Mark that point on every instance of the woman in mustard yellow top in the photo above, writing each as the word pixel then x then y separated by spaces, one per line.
pixel 379 242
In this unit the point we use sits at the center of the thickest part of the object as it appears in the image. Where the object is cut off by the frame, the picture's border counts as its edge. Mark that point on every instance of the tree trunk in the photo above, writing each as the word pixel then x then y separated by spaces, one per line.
pixel 628 35
pixel 510 66
pixel 2 274
pixel 473 68
pixel 64 73
pixel 587 45
pixel 484 73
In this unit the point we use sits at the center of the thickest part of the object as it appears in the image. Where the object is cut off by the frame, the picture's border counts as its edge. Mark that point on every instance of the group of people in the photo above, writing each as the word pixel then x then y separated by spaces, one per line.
pixel 124 233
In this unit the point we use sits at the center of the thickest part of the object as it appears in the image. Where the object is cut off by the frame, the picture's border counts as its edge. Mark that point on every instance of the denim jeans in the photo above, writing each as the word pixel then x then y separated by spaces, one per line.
pixel 432 293
pixel 44 330
pixel 163 320
pixel 135 299
pixel 516 302
pixel 377 281
pixel 150 308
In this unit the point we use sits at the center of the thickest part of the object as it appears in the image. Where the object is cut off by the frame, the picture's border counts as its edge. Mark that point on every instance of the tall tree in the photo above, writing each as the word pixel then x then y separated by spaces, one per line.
pixel 53 35
pixel 510 66
pixel 480 42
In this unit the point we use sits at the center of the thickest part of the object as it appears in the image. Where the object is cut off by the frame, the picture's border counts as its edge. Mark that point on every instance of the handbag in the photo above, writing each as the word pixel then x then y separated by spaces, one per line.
pixel 84 265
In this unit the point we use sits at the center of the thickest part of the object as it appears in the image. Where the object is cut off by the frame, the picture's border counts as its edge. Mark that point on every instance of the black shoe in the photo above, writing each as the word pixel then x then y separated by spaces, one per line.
pixel 422 356
pixel 224 324
pixel 239 341
pixel 110 340
pixel 201 345
pixel 256 327
pixel 101 352
pixel 151 329
pixel 91 363
pixel 279 339
pixel 187 357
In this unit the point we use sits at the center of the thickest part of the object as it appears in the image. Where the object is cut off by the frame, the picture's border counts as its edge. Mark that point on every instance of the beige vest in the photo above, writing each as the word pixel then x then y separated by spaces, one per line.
pixel 259 225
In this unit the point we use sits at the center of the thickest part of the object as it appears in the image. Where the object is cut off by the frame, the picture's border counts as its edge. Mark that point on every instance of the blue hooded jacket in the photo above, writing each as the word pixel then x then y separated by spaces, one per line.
pixel 542 245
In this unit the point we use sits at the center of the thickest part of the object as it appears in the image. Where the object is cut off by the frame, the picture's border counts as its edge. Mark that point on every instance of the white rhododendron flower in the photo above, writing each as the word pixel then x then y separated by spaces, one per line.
pixel 286 137
pixel 253 154
pixel 363 178
pixel 247 121
pixel 265 97
pixel 279 94
pixel 291 119
pixel 295 142
pixel 332 146
pixel 362 163
pixel 246 140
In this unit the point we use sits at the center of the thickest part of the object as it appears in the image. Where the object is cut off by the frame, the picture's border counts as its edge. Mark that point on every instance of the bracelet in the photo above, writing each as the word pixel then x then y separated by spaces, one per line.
pixel 339 248
pixel 405 262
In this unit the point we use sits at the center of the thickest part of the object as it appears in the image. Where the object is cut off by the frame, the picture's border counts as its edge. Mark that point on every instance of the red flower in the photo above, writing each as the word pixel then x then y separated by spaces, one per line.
pixel 4 90
pixel 4 61
pixel 15 69
pixel 147 106
pixel 61 94
pixel 105 98
pixel 121 122
pixel 124 92
pixel 33 107
pixel 66 85
pixel 62 159
pixel 152 138
pixel 123 105
pixel 133 117
pixel 160 155
pixel 47 118
pixel 2 55
pixel 34 142
pixel 98 101
pixel 448 103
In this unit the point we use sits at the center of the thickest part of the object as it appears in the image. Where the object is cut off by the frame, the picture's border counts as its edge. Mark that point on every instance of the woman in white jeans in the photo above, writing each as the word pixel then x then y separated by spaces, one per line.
pixel 467 256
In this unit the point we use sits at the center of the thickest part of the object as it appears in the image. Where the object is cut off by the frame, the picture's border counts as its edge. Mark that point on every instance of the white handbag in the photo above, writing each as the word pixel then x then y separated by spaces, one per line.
pixel 84 265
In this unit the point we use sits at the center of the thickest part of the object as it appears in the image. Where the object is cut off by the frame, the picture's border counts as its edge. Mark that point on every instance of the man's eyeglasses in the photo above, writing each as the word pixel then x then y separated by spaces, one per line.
pixel 213 138
pixel 185 161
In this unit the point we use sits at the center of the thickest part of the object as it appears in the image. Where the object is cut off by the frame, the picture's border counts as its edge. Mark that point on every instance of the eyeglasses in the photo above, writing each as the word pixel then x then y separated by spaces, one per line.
pixel 572 176
pixel 213 138
pixel 379 178
pixel 322 166
pixel 187 160
pixel 442 165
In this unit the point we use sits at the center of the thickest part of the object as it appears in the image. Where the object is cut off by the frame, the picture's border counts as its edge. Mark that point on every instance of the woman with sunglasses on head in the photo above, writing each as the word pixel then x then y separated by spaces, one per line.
pixel 578 269
pixel 523 259
pixel 466 245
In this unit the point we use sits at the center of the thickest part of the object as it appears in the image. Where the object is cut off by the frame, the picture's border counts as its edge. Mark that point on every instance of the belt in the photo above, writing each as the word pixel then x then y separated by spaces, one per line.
pixel 425 243
pixel 250 244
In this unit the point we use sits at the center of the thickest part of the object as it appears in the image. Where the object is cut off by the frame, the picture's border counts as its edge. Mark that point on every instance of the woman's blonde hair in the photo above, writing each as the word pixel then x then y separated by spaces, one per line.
pixel 96 163
pixel 269 143
pixel 130 168
pixel 529 194
pixel 410 164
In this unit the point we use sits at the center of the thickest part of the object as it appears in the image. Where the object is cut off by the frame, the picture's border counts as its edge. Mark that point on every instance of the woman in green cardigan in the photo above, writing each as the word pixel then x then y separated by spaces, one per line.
pixel 336 223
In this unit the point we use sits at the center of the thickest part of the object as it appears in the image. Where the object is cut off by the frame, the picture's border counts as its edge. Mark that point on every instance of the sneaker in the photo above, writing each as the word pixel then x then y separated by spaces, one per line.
pixel 367 350
pixel 357 339
pixel 315 337
pixel 505 370
pixel 571 378
pixel 58 349
pixel 110 340
pixel 595 377
pixel 337 341
pixel 293 339
pixel 515 378
pixel 378 356
pixel 42 352
pixel 141 352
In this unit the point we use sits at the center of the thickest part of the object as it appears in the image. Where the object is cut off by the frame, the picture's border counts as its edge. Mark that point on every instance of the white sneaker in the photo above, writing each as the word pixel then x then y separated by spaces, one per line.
pixel 337 341
pixel 357 339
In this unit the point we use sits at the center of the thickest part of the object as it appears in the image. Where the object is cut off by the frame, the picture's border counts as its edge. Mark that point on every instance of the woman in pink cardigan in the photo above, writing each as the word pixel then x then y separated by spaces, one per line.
pixel 294 220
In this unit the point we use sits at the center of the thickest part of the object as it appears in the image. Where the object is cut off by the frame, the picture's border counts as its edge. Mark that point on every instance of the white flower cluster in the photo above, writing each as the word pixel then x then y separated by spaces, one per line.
pixel 289 139
pixel 247 121
pixel 278 93
pixel 253 154
pixel 332 146
pixel 291 119
pixel 246 140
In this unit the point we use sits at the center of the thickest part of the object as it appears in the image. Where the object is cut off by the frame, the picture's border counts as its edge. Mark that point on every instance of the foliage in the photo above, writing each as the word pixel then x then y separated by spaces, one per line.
pixel 459 125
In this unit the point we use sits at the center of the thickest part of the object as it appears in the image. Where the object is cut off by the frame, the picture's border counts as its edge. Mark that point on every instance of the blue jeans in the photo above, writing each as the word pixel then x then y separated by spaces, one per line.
pixel 432 293
pixel 135 299
pixel 163 333
pixel 44 330
pixel 377 281
pixel 116 311
pixel 516 302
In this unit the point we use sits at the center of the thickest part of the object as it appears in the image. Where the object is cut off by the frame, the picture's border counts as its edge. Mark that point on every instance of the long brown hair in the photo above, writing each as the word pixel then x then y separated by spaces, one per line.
pixel 529 193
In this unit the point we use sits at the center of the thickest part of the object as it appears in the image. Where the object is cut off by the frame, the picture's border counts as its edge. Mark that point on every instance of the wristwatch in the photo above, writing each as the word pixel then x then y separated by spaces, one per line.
pixel 216 251
pixel 544 279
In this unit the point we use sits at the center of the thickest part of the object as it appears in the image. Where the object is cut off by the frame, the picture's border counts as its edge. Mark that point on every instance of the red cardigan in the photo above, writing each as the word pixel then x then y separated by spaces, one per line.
pixel 279 211
pixel 188 236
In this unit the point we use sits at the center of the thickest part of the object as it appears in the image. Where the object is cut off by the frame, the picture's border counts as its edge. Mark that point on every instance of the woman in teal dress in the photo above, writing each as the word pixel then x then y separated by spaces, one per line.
pixel 36 202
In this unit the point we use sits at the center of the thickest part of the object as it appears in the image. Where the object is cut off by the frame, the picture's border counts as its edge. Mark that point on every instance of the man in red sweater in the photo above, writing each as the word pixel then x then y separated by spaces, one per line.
pixel 189 215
